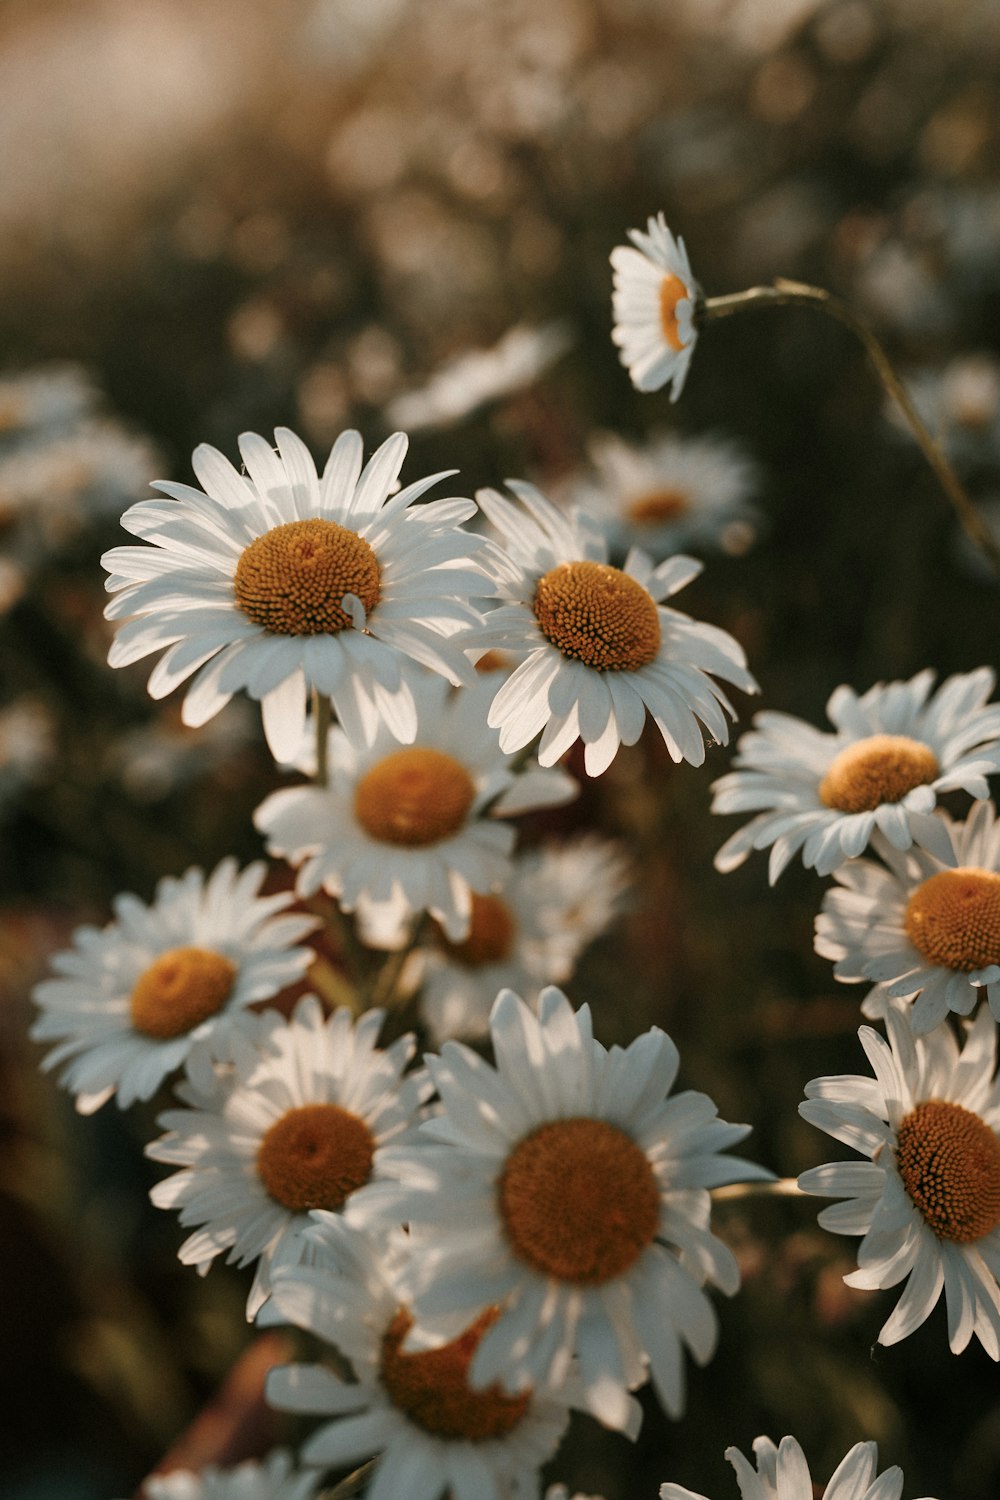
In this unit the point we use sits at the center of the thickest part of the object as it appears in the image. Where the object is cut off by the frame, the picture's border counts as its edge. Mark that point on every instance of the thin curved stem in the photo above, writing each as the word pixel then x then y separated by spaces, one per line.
pixel 790 293
pixel 351 1484
pixel 779 1187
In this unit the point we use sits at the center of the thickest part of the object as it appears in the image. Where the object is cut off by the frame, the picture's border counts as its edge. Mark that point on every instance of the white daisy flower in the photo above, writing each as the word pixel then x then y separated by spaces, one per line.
pixel 55 486
pixel 919 927
pixel 564 1186
pixel 279 581
pixel 297 1122
pixel 36 403
pixel 782 1473
pixel 670 494
pixel 530 933
pixel 397 831
pixel 132 999
pixel 435 1435
pixel 896 749
pixel 928 1200
pixel 271 1479
pixel 601 646
pixel 654 300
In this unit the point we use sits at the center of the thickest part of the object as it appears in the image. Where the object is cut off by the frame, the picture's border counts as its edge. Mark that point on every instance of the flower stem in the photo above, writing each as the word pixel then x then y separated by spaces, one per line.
pixel 321 719
pixel 351 1484
pixel 779 1187
pixel 789 293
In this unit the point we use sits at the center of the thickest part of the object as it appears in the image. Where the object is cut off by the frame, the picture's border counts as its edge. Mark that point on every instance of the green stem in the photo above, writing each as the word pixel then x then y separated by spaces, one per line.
pixel 780 1187
pixel 790 293
pixel 321 718
pixel 351 1484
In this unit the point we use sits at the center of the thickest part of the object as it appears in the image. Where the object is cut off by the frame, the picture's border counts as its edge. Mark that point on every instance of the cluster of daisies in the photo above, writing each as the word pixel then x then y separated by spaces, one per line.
pixel 490 1237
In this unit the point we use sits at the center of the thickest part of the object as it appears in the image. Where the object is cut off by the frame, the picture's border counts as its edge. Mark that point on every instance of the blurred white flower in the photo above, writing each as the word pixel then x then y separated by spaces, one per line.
pixel 481 376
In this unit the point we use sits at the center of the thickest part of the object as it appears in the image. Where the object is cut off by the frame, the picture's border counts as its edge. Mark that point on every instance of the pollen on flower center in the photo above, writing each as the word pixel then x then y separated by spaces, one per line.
pixel 179 990
pixel 292 579
pixel 672 291
pixel 416 796
pixel 953 919
pixel 315 1156
pixel 579 1200
pixel 431 1387
pixel 598 615
pixel 949 1160
pixel 492 931
pixel 656 506
pixel 881 768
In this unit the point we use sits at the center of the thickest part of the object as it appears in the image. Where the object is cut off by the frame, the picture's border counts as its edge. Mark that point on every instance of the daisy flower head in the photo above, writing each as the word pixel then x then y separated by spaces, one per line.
pixel 132 999
pixel 296 1122
pixel 278 581
pixel 927 1200
pixel 527 934
pixel 273 1478
pixel 654 300
pixel 920 928
pixel 402 830
pixel 671 494
pixel 782 1473
pixel 565 1186
pixel 894 751
pixel 600 647
pixel 435 1434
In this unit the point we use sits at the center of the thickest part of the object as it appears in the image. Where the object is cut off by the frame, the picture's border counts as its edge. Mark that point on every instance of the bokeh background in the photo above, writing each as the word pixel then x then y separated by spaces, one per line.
pixel 217 216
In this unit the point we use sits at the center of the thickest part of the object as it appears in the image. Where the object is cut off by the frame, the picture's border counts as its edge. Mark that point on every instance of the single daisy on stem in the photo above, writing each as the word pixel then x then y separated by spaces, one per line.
pixel 895 750
pixel 927 1202
pixel 654 300
pixel 296 1122
pixel 132 999
pixel 920 928
pixel 566 1187
pixel 280 581
pixel 601 647
pixel 782 1473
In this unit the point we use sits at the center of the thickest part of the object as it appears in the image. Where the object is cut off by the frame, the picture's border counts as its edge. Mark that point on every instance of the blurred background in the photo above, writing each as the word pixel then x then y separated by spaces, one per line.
pixel 219 216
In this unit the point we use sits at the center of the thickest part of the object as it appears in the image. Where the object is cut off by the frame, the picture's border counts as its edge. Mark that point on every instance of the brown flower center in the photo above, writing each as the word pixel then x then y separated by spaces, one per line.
pixel 179 990
pixel 881 768
pixel 953 919
pixel 657 506
pixel 431 1386
pixel 492 931
pixel 292 579
pixel 598 615
pixel 415 797
pixel 949 1160
pixel 315 1156
pixel 672 291
pixel 579 1200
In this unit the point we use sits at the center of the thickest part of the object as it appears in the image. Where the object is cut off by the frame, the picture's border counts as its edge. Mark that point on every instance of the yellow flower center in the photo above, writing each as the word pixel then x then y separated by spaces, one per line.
pixel 416 797
pixel 579 1200
pixel 657 506
pixel 315 1156
pixel 431 1386
pixel 598 615
pixel 672 291
pixel 179 990
pixel 953 919
pixel 292 579
pixel 949 1160
pixel 881 768
pixel 492 931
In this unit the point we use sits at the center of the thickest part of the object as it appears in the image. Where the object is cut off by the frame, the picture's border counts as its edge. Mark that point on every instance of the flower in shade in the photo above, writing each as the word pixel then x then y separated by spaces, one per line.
pixel 296 1122
pixel 435 1434
pixel 271 1479
pixel 564 1186
pixel 920 928
pixel 601 648
pixel 927 1202
pixel 530 933
pixel 782 1473
pixel 131 1000
pixel 654 304
pixel 399 831
pixel 895 750
pixel 279 581
pixel 670 494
